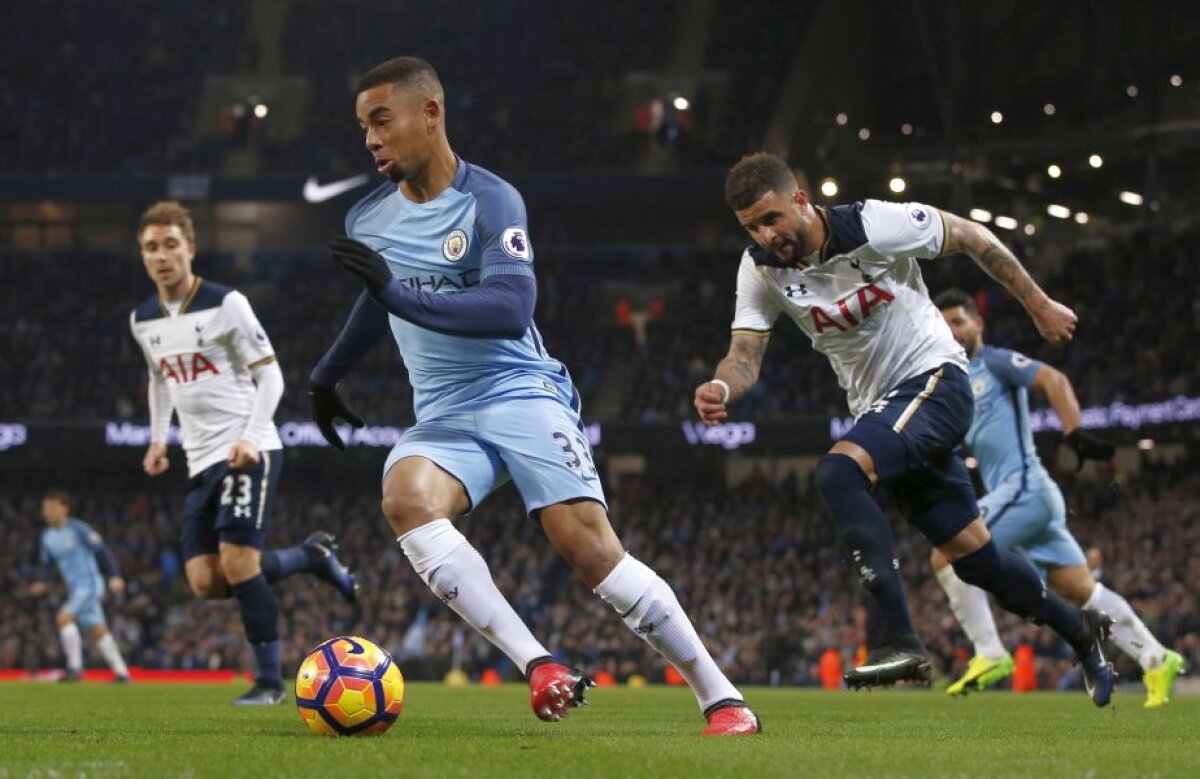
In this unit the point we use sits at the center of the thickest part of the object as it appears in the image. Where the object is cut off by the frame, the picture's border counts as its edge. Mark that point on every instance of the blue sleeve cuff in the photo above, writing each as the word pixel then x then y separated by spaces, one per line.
pixel 506 269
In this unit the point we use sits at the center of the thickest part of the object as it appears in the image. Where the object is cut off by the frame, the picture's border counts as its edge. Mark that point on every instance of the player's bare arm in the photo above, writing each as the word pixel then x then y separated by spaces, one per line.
pixel 1062 399
pixel 1054 321
pixel 1061 395
pixel 739 371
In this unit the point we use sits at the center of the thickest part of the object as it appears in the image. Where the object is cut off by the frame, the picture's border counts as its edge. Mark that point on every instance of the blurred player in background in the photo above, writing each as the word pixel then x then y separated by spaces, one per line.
pixel 848 277
pixel 1025 510
pixel 444 250
pixel 210 360
pixel 88 567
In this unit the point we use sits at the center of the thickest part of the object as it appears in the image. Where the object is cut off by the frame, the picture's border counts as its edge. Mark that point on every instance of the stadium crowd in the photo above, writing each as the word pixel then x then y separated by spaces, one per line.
pixel 528 115
pixel 757 565
pixel 650 374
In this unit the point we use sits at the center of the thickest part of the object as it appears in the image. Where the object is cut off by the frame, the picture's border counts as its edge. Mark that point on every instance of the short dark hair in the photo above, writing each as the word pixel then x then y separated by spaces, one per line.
pixel 408 71
pixel 955 297
pixel 62 496
pixel 754 176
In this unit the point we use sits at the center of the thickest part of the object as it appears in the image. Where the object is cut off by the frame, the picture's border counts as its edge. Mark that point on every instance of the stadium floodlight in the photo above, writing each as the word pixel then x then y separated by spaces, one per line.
pixel 261 110
pixel 1132 198
pixel 1029 229
pixel 1176 80
pixel 864 134
pixel 1006 222
pixel 681 103
pixel 906 129
pixel 1081 217
pixel 829 187
pixel 1057 211
pixel 971 463
pixel 1146 444
pixel 1131 90
pixel 897 185
pixel 1095 160
pixel 1049 109
pixel 842 118
pixel 980 215
pixel 1054 171
pixel 997 117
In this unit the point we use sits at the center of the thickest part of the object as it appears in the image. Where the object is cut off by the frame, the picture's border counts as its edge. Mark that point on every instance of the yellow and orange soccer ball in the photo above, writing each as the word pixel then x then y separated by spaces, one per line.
pixel 349 686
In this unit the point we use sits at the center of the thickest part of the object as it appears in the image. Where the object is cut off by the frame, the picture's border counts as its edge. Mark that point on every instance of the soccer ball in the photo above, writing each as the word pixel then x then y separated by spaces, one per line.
pixel 349 686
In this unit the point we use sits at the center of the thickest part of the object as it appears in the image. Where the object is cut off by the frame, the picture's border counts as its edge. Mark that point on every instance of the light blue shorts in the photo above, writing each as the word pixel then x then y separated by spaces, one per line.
pixel 537 442
pixel 84 604
pixel 1032 522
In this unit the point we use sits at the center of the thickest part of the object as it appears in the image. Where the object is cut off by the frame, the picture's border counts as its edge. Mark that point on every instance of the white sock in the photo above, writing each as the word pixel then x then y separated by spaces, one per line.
pixel 72 645
pixel 1129 633
pixel 650 608
pixel 970 606
pixel 108 650
pixel 457 574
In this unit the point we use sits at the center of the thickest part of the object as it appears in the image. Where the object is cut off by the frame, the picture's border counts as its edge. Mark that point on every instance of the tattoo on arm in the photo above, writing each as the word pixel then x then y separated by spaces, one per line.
pixel 740 367
pixel 989 253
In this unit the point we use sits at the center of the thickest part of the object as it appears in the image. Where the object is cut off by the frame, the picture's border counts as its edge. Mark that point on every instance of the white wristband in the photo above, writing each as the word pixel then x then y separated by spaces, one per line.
pixel 725 387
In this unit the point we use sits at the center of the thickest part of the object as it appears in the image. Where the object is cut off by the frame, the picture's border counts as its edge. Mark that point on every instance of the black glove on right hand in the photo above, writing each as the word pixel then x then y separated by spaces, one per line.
pixel 327 405
pixel 361 260
pixel 1088 446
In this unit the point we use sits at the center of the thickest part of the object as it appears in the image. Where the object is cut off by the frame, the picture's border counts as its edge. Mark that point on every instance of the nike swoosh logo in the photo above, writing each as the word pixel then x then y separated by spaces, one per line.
pixel 316 192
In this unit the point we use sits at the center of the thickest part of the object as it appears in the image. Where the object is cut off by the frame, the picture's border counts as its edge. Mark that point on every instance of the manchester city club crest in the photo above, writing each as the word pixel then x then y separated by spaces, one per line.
pixel 454 248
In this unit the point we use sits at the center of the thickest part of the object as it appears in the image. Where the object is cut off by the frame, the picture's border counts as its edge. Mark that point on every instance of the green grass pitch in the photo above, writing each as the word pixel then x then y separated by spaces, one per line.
pixel 98 730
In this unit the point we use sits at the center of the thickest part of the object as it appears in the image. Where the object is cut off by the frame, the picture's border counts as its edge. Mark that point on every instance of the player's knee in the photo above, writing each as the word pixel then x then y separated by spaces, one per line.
pixel 837 473
pixel 64 618
pixel 582 534
pixel 409 509
pixel 1077 593
pixel 208 584
pixel 239 564
pixel 99 631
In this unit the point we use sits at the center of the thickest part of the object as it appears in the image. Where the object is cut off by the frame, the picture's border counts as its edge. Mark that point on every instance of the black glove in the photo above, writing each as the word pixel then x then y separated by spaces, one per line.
pixel 1088 446
pixel 361 260
pixel 327 405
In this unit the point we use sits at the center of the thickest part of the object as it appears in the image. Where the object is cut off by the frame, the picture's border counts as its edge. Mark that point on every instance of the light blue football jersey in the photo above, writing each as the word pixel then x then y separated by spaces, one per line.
pixel 1000 437
pixel 73 547
pixel 475 229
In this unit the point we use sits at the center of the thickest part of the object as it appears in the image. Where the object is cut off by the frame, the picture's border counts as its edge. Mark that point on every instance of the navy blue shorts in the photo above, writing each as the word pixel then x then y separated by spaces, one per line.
pixel 911 433
pixel 230 506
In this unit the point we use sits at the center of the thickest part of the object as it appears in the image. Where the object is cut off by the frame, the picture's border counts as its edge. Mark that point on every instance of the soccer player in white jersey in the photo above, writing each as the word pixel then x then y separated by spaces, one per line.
pixel 848 277
pixel 444 249
pixel 211 361
pixel 1025 511
pixel 87 566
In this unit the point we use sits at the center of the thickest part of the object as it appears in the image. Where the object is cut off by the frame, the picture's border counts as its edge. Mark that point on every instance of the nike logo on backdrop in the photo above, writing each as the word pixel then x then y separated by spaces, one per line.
pixel 315 192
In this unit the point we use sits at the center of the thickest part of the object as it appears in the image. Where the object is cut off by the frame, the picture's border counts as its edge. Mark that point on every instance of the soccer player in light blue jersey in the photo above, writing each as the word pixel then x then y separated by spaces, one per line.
pixel 1025 511
pixel 443 247
pixel 87 566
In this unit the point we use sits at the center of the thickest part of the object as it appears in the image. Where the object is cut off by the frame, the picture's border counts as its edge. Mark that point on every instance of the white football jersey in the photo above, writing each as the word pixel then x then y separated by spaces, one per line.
pixel 862 300
pixel 204 353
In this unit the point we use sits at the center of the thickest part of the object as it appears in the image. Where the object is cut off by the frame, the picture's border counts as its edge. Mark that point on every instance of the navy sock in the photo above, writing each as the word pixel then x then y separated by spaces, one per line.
pixel 868 539
pixel 260 616
pixel 281 563
pixel 1018 588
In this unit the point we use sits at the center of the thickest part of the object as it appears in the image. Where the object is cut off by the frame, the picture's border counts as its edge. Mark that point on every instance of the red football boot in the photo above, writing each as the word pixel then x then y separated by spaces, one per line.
pixel 554 688
pixel 731 718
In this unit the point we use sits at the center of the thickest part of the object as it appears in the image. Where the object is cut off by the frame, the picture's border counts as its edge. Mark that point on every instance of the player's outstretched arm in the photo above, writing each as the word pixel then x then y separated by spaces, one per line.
pixel 1054 321
pixel 364 328
pixel 735 376
pixel 1062 399
pixel 501 307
